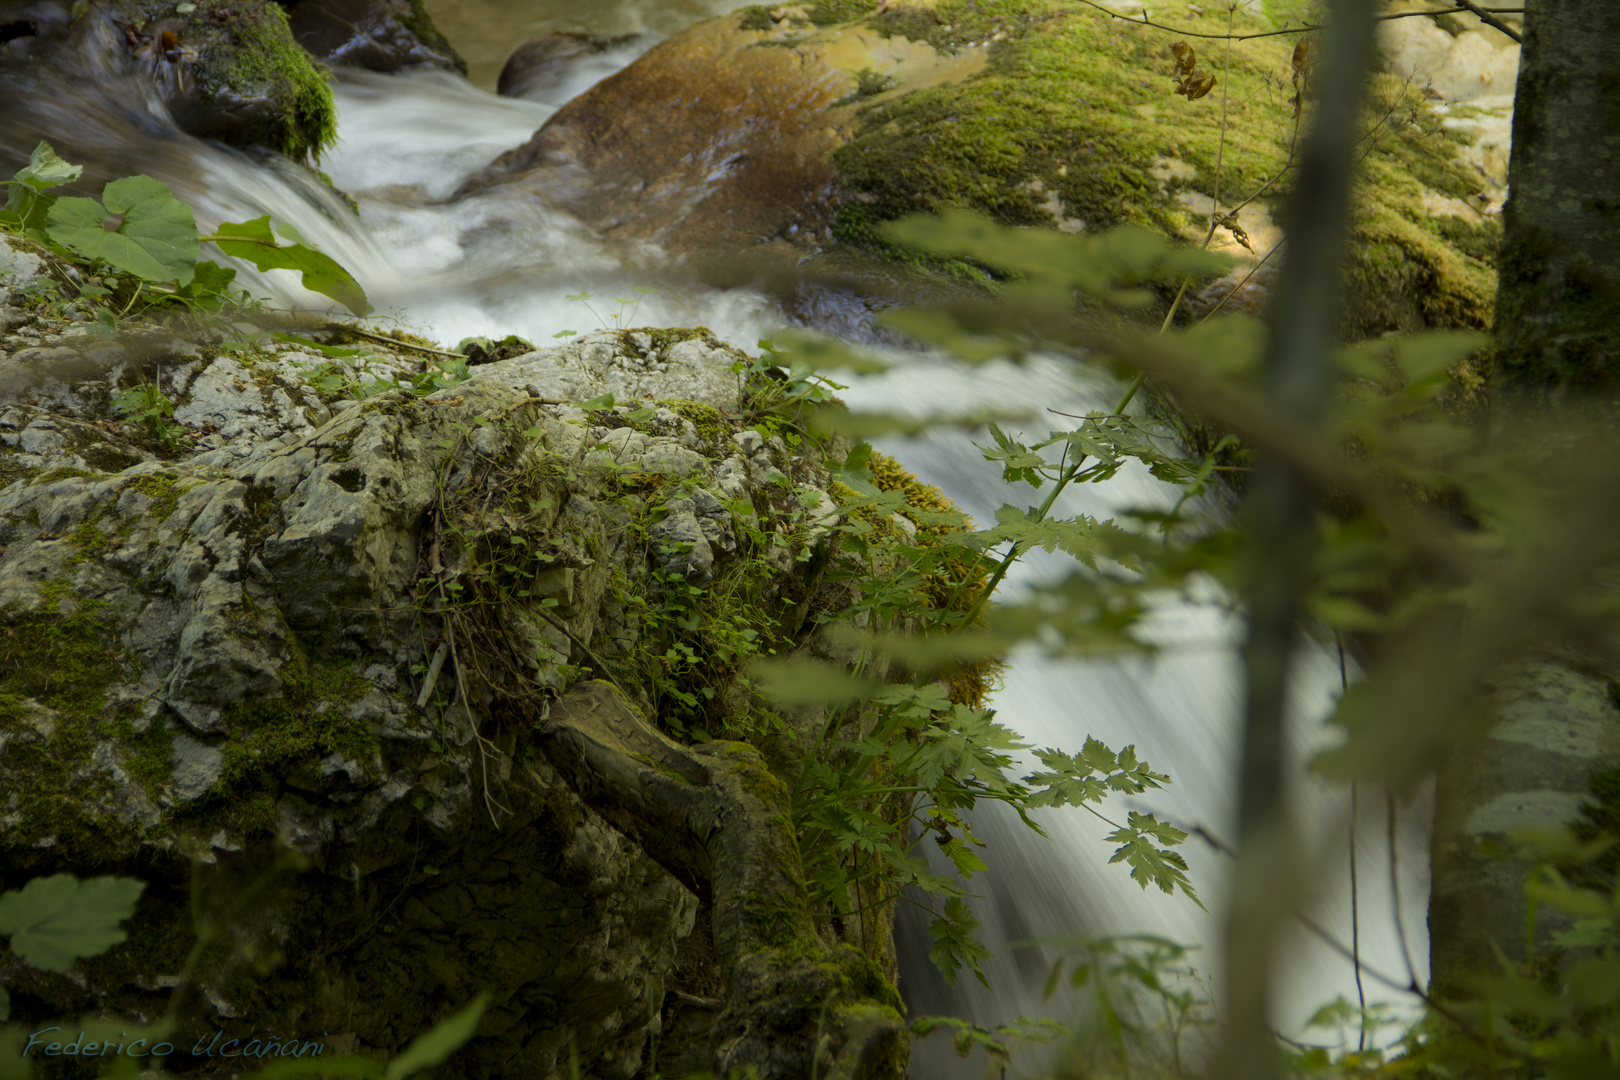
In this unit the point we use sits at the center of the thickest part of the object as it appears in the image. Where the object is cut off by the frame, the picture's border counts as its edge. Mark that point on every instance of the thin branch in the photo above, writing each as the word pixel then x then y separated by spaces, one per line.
pixel 1485 16
pixel 1483 13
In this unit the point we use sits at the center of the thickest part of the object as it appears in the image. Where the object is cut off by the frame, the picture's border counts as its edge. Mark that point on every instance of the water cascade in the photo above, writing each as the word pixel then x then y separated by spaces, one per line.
pixel 494 265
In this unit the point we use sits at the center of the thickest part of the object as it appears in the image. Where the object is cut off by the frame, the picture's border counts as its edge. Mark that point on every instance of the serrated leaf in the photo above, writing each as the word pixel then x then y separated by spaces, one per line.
pixel 955 945
pixel 139 227
pixel 433 1047
pixel 254 242
pixel 53 921
pixel 1151 865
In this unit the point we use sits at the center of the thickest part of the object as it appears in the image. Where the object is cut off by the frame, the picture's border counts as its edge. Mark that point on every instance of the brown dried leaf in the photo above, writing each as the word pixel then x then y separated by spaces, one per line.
pixel 1186 59
pixel 1201 83
pixel 1301 52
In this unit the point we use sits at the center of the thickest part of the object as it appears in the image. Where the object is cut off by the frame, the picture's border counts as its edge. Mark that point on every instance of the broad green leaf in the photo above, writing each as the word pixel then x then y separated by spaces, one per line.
pixel 13 1066
pixel 822 353
pixel 52 921
pixel 254 242
pixel 598 404
pixel 29 200
pixel 46 170
pixel 436 1045
pixel 139 227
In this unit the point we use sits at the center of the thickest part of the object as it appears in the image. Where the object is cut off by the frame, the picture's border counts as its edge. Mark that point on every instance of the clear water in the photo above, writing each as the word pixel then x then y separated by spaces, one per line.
pixel 495 264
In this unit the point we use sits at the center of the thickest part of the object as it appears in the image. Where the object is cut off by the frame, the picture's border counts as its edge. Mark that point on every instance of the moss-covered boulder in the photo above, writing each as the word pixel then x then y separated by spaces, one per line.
pixel 223 69
pixel 807 127
pixel 299 662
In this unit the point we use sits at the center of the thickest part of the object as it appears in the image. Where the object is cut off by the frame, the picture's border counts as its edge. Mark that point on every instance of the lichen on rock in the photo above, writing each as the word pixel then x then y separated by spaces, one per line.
pixel 335 624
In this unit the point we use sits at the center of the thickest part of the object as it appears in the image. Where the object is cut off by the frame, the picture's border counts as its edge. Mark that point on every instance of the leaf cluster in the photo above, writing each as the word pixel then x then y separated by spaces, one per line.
pixel 140 246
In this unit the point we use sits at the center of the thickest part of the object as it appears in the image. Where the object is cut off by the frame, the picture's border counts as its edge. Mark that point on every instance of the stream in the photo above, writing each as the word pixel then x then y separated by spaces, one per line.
pixel 494 264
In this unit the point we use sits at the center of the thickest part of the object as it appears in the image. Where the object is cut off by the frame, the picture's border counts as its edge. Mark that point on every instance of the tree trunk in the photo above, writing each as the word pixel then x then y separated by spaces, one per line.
pixel 715 817
pixel 1558 341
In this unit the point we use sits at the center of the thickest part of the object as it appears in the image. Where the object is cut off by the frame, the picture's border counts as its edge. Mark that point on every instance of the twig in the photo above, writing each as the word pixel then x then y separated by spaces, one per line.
pixel 1395 891
pixel 384 339
pixel 1485 16
pixel 1309 27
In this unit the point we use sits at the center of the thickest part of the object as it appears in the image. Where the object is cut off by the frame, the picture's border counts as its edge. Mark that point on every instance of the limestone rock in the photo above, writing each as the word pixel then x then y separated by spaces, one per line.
pixel 227 641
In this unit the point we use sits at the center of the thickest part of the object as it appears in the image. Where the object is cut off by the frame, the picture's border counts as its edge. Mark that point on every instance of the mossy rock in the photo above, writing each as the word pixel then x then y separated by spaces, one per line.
pixel 240 76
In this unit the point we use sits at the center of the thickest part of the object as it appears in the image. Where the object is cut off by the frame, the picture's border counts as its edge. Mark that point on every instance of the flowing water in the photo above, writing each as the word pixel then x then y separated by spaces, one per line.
pixel 493 265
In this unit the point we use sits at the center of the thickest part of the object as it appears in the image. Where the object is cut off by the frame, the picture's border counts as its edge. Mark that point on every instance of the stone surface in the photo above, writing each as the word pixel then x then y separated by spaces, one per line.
pixel 380 35
pixel 718 137
pixel 223 643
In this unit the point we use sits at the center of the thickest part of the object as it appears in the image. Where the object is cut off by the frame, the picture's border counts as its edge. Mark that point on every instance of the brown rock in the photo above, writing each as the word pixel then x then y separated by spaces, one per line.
pixel 718 137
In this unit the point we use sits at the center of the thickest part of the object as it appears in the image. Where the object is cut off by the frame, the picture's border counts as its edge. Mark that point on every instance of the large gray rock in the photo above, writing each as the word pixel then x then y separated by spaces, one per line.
pixel 256 635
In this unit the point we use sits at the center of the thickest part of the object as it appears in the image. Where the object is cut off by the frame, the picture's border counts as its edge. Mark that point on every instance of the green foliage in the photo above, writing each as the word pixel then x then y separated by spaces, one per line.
pixel 139 228
pixel 252 241
pixel 53 921
pixel 152 409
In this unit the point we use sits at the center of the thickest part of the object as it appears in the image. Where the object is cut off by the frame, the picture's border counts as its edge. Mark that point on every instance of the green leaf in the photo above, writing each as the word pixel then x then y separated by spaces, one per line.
pixel 254 242
pixel 1151 865
pixel 955 945
pixel 139 227
pixel 29 200
pixel 46 170
pixel 289 1068
pixel 598 404
pixel 1427 355
pixel 54 920
pixel 435 1046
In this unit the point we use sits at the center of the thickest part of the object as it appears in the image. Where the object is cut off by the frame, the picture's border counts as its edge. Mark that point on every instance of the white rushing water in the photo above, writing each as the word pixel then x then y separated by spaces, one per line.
pixel 494 265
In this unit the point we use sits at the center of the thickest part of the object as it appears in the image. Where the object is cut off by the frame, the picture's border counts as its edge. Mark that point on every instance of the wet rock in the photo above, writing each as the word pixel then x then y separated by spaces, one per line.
pixel 219 69
pixel 379 35
pixel 548 67
pixel 716 138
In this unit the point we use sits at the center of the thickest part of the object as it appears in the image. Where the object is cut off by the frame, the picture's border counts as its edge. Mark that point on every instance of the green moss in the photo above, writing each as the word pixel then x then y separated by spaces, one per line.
pixel 163 490
pixel 756 18
pixel 62 654
pixel 1075 117
pixel 306 722
pixel 249 51
pixel 713 429
pixel 59 474
pixel 420 23
pixel 827 12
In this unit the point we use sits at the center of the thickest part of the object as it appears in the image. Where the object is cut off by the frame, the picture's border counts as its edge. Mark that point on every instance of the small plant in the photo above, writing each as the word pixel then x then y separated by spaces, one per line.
pixel 621 318
pixel 152 409
pixel 145 242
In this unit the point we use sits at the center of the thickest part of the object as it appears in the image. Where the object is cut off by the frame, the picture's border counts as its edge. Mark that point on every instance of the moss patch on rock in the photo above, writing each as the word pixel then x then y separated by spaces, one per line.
pixel 1075 124
pixel 251 71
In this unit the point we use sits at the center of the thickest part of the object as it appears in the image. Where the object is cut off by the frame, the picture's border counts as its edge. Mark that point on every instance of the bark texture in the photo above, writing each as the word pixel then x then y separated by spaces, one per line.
pixel 1558 333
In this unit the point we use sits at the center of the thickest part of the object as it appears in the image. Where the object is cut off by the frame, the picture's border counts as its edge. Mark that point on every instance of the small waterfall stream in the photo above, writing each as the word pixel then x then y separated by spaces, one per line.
pixel 494 265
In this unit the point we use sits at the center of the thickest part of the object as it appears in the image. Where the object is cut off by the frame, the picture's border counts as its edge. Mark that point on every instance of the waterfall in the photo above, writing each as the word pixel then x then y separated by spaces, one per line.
pixel 491 265
pixel 495 265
